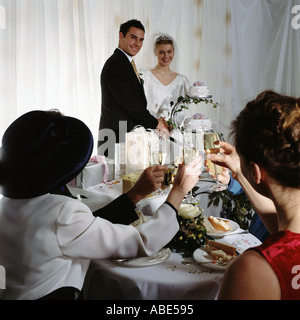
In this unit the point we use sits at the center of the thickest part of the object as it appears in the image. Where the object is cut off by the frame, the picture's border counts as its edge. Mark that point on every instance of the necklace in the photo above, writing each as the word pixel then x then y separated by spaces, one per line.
pixel 164 74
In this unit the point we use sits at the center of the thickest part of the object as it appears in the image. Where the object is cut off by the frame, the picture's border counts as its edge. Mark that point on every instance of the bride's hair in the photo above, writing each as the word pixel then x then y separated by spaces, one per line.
pixel 163 39
pixel 148 56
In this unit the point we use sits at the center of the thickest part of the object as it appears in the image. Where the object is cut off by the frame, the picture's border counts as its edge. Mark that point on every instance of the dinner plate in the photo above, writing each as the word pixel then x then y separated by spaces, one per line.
pixel 205 259
pixel 218 234
pixel 157 258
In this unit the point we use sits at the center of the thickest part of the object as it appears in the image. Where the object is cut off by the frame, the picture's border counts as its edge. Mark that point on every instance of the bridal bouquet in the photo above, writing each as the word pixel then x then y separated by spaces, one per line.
pixel 192 233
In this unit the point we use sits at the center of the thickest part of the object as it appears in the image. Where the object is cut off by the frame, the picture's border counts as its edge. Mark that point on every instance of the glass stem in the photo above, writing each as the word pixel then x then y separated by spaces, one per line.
pixel 216 172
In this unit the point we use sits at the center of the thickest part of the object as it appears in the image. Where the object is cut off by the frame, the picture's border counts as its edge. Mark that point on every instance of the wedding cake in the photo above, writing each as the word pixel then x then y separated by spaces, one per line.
pixel 198 90
pixel 199 121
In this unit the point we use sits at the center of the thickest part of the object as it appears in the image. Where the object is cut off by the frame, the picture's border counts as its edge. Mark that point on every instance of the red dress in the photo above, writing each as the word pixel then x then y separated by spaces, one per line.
pixel 282 251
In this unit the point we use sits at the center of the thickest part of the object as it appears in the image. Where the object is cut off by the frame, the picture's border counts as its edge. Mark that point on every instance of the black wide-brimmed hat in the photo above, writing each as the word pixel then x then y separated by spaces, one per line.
pixel 42 151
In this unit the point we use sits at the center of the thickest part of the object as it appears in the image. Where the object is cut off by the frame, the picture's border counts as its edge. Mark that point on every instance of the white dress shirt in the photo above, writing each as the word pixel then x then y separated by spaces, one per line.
pixel 47 242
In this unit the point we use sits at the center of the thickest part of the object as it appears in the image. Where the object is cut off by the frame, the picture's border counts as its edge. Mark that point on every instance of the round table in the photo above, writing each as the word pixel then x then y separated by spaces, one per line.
pixel 176 278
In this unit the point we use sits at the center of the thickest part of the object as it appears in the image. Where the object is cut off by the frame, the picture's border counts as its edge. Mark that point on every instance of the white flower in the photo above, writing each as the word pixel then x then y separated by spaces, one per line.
pixel 188 211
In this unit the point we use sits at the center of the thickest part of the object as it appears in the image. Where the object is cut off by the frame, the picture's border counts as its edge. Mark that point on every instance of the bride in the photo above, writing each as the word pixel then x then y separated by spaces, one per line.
pixel 161 84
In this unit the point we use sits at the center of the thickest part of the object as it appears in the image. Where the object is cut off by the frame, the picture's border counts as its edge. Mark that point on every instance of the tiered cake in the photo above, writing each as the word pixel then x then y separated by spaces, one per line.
pixel 198 90
pixel 199 121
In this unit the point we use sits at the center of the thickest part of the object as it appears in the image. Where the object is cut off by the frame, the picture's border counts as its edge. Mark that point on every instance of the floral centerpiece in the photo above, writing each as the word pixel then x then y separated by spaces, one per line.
pixel 192 233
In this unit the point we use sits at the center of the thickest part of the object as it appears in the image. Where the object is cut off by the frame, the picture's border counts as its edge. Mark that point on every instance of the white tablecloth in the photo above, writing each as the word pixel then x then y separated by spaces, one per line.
pixel 100 195
pixel 169 280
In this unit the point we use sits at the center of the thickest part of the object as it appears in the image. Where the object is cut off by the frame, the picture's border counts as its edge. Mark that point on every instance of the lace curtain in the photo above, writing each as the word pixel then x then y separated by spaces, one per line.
pixel 52 51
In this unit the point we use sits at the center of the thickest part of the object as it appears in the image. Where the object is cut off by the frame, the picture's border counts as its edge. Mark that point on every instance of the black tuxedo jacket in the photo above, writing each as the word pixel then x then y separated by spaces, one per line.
pixel 123 97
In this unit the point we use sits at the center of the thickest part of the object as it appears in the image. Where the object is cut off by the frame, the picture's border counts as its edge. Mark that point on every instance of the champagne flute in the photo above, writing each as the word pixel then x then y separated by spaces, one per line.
pixel 211 147
pixel 190 152
pixel 159 152
pixel 175 156
pixel 159 149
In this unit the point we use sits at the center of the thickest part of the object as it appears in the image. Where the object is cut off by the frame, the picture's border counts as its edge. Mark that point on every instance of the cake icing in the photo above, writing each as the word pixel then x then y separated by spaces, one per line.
pixel 199 121
pixel 198 89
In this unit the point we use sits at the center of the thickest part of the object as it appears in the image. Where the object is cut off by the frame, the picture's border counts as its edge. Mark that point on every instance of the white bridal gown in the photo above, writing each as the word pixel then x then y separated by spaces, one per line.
pixel 159 96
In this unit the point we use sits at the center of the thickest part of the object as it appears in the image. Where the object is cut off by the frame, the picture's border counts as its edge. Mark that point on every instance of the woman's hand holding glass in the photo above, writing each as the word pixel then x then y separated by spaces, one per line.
pixel 185 180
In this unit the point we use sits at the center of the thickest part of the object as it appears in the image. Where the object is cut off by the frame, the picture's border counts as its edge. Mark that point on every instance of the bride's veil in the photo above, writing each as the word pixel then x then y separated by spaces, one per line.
pixel 148 57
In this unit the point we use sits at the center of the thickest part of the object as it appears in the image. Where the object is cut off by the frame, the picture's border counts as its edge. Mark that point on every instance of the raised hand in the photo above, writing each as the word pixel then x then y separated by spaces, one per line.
pixel 163 125
pixel 185 180
pixel 150 180
pixel 228 158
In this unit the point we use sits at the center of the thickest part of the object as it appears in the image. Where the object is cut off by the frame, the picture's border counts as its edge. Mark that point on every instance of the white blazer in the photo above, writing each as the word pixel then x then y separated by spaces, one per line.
pixel 47 242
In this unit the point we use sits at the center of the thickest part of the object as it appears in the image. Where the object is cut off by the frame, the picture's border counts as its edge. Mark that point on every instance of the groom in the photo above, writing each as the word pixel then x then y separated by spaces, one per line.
pixel 124 103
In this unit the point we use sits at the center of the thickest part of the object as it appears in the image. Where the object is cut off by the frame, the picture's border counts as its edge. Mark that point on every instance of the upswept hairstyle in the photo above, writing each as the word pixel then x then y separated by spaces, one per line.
pixel 267 132
pixel 163 40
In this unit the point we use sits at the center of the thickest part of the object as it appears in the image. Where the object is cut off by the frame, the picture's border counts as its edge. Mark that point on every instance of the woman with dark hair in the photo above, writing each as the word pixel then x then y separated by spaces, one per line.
pixel 266 162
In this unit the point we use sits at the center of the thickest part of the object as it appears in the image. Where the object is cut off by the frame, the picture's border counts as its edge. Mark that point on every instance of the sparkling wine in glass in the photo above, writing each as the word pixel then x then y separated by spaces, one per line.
pixel 210 147
pixel 190 152
pixel 159 152
pixel 159 157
